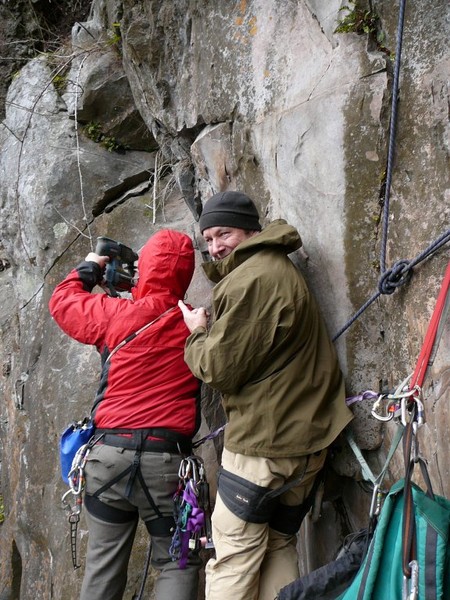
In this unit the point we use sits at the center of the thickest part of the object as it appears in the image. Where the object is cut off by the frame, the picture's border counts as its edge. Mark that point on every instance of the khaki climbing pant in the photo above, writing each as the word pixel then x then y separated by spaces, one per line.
pixel 254 561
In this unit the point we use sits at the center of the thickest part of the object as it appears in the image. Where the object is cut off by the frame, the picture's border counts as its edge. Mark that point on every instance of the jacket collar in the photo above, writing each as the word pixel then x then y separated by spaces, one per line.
pixel 277 235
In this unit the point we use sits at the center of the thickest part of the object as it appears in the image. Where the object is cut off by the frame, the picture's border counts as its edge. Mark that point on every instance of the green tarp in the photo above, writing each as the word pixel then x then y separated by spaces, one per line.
pixel 381 576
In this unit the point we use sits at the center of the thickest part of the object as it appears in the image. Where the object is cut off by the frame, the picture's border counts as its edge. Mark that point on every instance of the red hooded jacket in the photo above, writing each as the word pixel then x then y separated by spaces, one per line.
pixel 146 383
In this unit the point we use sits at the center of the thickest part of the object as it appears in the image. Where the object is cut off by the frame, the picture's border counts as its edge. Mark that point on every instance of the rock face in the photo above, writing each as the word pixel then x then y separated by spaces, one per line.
pixel 153 106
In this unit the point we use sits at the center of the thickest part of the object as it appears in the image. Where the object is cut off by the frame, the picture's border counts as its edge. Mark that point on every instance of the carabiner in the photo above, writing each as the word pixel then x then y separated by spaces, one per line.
pixel 375 504
pixel 413 396
pixel 411 585
pixel 405 414
pixel 64 499
pixel 389 415
pixel 194 470
pixel 184 469
pixel 420 416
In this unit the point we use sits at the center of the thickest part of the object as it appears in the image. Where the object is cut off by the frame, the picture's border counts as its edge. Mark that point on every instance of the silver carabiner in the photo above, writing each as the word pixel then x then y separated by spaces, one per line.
pixel 411 585
pixel 184 469
pixel 405 416
pixel 201 471
pixel 420 417
pixel 375 407
pixel 414 396
pixel 375 504
pixel 64 498
pixel 194 470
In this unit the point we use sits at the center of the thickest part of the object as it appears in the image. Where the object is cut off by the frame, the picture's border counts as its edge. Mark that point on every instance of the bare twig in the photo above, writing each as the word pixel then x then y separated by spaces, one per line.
pixel 83 204
pixel 72 225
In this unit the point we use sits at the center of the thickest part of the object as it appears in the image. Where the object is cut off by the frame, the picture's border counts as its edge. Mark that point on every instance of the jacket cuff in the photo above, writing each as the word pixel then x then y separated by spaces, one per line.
pixel 90 274
pixel 199 329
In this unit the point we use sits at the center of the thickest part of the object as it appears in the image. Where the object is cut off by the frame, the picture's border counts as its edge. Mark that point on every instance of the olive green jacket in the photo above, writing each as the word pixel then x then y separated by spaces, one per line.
pixel 268 352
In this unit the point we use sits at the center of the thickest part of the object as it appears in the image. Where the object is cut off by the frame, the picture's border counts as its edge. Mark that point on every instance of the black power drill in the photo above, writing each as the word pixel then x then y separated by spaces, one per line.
pixel 120 269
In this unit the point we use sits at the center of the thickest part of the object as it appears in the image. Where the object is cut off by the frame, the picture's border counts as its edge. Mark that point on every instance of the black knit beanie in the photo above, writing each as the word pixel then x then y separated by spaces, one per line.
pixel 230 209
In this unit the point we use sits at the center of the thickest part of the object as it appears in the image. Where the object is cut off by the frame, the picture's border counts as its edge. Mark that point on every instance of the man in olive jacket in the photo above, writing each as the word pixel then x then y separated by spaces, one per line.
pixel 270 356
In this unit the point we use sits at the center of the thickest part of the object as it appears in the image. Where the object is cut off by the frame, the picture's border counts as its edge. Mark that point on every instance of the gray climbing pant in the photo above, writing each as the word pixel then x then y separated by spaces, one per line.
pixel 113 517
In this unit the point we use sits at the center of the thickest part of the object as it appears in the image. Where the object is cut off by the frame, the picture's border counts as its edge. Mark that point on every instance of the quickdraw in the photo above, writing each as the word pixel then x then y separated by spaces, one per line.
pixel 192 511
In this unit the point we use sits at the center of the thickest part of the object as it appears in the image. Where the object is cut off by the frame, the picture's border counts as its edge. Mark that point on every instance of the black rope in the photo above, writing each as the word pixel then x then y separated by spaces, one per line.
pixel 441 240
pixel 396 276
pixel 140 594
pixel 356 315
pixel 399 274
pixel 401 271
pixel 392 133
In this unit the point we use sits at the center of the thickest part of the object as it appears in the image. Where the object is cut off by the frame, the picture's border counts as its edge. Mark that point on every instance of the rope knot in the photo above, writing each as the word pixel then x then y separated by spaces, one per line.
pixel 397 275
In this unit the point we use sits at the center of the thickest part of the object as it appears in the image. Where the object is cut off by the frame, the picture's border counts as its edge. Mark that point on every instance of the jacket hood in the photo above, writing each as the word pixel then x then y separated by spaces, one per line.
pixel 166 265
pixel 277 234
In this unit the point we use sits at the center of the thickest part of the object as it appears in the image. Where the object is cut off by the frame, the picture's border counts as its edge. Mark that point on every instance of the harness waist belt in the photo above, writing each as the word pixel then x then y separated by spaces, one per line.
pixel 130 443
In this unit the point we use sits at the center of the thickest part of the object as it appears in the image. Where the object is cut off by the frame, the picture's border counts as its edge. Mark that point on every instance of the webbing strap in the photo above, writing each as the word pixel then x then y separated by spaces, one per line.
pixel 147 493
pixel 287 486
pixel 110 483
pixel 131 337
pixel 367 472
pixel 434 332
pixel 135 472
pixel 128 339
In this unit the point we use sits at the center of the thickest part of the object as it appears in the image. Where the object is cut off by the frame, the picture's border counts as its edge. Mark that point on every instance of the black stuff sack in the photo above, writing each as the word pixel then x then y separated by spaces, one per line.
pixel 327 582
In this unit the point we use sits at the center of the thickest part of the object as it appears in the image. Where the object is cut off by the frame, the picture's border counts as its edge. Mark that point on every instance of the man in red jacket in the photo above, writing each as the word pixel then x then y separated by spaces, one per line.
pixel 146 408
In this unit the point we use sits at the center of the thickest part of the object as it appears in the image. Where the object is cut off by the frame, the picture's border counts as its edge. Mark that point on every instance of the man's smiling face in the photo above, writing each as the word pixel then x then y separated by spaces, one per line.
pixel 222 241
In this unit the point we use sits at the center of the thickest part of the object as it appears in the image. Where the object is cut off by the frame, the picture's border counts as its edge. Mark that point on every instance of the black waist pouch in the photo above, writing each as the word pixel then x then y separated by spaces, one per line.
pixel 248 501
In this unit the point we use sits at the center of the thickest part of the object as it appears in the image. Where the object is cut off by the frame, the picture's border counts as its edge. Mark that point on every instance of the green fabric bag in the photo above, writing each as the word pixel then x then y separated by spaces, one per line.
pixel 381 574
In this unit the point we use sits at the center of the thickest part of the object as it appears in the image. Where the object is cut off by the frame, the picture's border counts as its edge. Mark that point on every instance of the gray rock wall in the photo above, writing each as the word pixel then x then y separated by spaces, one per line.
pixel 150 108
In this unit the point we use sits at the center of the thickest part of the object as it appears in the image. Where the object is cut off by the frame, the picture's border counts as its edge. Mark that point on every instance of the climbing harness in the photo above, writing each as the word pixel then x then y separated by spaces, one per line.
pixel 192 511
